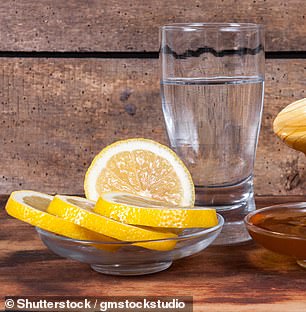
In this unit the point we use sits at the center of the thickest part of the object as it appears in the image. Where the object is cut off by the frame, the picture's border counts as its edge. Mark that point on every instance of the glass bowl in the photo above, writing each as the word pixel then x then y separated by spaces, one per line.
pixel 124 258
pixel 280 228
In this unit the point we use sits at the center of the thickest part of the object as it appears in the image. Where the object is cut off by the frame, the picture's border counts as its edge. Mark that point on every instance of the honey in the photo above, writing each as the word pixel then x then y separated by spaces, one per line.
pixel 280 229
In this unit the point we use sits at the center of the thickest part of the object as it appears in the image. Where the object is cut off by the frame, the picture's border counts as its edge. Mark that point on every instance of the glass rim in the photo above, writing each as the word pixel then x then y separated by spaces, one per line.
pixel 212 25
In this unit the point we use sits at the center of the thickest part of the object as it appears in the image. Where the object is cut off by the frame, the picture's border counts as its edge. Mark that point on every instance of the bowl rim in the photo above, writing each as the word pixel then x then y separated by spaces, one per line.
pixel 199 233
pixel 249 224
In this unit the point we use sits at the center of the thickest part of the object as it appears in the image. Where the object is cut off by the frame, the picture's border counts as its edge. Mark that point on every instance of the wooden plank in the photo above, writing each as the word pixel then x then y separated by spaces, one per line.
pixel 95 25
pixel 56 114
pixel 279 169
pixel 237 278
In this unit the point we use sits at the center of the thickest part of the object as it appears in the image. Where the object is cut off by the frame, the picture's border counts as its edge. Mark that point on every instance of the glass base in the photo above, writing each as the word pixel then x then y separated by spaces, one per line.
pixel 132 269
pixel 301 263
pixel 234 230
pixel 233 202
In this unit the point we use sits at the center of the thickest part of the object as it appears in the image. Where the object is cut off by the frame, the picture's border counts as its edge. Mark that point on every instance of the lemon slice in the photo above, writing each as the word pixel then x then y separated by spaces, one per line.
pixel 31 207
pixel 136 210
pixel 141 167
pixel 80 211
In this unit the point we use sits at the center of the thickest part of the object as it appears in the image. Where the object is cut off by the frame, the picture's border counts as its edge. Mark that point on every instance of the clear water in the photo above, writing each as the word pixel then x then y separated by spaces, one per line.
pixel 213 125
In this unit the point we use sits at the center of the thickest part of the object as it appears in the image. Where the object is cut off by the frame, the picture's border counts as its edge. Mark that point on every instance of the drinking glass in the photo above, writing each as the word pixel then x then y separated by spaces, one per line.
pixel 212 84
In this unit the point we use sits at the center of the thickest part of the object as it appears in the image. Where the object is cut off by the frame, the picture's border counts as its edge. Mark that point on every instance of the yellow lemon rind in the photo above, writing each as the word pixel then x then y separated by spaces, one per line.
pixel 86 217
pixel 49 222
pixel 109 205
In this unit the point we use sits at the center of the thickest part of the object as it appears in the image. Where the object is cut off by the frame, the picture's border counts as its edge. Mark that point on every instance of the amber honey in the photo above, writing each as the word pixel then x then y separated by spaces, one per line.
pixel 280 228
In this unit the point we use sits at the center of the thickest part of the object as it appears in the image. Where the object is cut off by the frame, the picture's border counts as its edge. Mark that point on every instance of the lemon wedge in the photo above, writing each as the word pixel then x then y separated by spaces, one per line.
pixel 140 167
pixel 137 210
pixel 80 211
pixel 31 207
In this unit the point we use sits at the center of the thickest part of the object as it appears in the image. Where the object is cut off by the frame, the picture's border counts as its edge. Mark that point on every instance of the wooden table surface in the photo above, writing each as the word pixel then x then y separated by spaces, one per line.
pixel 237 278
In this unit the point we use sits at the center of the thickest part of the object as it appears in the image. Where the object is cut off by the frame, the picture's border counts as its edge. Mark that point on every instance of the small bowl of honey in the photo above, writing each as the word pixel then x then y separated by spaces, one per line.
pixel 280 228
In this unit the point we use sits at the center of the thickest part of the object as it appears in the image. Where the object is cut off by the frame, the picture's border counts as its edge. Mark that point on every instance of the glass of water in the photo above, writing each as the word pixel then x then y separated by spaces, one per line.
pixel 212 85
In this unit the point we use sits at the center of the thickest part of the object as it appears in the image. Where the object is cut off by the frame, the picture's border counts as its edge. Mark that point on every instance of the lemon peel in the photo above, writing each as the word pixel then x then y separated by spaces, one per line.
pixel 136 210
pixel 31 207
pixel 80 211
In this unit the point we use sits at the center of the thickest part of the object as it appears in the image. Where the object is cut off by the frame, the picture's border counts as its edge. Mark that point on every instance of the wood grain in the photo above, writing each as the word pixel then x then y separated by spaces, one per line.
pixel 237 278
pixel 56 114
pixel 132 25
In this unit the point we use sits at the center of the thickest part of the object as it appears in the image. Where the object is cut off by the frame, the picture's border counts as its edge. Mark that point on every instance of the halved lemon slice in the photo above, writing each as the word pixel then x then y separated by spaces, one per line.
pixel 137 210
pixel 141 167
pixel 80 211
pixel 31 207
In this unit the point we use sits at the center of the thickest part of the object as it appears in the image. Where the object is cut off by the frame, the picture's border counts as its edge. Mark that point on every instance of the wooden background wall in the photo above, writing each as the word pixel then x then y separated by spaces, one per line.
pixel 77 75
